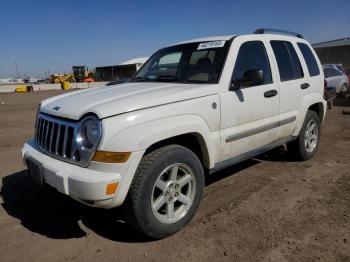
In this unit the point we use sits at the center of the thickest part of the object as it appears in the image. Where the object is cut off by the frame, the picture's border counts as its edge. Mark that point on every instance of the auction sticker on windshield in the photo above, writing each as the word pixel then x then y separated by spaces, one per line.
pixel 212 44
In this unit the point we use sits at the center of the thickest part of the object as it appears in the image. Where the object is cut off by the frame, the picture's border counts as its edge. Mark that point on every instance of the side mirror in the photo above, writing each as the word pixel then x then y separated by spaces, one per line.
pixel 253 77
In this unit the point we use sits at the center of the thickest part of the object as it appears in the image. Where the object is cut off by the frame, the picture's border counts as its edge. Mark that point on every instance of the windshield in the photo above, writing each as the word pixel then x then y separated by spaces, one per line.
pixel 186 63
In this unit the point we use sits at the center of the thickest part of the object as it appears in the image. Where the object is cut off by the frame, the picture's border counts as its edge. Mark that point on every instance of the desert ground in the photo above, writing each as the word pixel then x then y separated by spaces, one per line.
pixel 269 208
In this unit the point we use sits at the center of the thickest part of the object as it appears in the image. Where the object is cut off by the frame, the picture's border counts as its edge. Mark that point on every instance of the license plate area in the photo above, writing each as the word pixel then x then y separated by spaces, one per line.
pixel 35 171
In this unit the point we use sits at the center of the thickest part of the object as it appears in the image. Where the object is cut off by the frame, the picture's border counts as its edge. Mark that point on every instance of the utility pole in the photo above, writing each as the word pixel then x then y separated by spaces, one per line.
pixel 16 68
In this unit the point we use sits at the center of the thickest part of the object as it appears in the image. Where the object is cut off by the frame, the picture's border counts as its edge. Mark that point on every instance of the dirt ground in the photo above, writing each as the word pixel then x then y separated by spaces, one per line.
pixel 265 209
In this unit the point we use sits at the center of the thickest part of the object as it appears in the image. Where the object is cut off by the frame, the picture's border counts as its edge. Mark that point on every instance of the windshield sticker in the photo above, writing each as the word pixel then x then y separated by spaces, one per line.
pixel 212 44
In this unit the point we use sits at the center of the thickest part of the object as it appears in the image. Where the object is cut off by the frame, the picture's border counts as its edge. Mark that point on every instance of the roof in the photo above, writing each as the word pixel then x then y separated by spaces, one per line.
pixel 209 38
pixel 139 60
pixel 228 37
pixel 332 43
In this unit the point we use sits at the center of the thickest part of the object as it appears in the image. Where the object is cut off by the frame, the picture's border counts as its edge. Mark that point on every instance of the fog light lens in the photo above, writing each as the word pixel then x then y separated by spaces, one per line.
pixel 111 157
pixel 111 188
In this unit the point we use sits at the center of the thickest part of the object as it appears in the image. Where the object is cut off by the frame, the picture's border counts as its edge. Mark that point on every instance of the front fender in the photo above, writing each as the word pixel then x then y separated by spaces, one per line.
pixel 138 130
pixel 141 136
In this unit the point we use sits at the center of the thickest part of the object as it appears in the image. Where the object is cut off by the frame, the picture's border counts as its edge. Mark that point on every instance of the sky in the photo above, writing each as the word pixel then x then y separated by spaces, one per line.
pixel 40 36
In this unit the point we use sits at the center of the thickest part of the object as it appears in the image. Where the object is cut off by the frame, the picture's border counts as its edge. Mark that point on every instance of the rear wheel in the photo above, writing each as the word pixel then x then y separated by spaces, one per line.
pixel 306 144
pixel 165 192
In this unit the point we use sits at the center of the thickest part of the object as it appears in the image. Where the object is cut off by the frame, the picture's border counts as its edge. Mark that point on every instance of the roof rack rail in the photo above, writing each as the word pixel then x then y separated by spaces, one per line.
pixel 264 30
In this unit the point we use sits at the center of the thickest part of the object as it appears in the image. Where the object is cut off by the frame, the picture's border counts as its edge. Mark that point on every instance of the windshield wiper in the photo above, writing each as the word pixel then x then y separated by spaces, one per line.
pixel 155 78
pixel 163 78
pixel 139 79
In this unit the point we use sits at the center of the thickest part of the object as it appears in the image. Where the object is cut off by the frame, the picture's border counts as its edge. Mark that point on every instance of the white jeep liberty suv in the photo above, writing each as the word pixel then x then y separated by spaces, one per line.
pixel 193 108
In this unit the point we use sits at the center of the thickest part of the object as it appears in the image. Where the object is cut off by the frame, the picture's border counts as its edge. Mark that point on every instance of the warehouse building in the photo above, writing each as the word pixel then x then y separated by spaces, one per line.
pixel 334 52
pixel 119 72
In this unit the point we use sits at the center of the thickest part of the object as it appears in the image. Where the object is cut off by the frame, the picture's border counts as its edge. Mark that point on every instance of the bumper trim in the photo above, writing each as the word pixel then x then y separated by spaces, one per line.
pixel 83 184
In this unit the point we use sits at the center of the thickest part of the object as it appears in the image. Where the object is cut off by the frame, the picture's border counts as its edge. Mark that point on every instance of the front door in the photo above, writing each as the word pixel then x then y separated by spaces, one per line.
pixel 249 108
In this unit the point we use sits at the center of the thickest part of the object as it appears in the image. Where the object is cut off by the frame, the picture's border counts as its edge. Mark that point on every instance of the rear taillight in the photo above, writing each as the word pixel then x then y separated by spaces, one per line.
pixel 325 88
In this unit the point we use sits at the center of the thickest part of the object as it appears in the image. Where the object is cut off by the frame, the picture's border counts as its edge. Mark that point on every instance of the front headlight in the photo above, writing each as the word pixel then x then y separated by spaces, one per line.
pixel 91 131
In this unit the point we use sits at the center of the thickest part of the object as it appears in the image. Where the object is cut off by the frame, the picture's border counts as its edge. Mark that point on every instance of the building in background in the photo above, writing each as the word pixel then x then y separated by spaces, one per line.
pixel 334 52
pixel 119 72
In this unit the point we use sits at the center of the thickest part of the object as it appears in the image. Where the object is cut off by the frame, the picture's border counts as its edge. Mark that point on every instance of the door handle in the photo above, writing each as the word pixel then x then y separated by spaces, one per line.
pixel 304 86
pixel 270 93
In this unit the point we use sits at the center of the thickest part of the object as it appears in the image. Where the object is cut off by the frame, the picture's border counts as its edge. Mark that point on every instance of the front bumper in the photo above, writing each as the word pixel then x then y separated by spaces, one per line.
pixel 87 185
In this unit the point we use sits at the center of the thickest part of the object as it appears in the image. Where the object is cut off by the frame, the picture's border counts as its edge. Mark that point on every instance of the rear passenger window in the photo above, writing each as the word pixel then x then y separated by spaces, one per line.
pixel 310 59
pixel 287 60
pixel 252 56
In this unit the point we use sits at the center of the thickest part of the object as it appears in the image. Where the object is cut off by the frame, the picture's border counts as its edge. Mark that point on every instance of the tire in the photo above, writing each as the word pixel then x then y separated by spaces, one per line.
pixel 148 208
pixel 301 148
pixel 344 90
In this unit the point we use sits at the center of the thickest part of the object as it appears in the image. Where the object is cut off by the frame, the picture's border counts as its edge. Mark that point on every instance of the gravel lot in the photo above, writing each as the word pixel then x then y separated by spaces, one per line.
pixel 265 209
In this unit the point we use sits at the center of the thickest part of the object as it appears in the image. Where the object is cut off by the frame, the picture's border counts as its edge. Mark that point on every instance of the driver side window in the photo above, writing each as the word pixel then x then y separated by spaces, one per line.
pixel 252 56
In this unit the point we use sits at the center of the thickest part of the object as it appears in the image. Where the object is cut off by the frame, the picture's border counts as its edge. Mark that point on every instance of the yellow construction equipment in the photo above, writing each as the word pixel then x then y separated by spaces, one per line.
pixel 65 85
pixel 61 78
pixel 24 89
pixel 82 74
pixel 21 89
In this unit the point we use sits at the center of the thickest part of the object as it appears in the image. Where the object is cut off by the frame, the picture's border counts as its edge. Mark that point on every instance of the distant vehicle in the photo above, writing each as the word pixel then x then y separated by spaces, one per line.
pixel 44 81
pixel 61 78
pixel 82 74
pixel 347 72
pixel 30 80
pixel 329 94
pixel 336 78
pixel 336 66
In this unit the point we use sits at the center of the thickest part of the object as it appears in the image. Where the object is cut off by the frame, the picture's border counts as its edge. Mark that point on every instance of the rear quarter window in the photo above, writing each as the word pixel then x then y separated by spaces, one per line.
pixel 310 59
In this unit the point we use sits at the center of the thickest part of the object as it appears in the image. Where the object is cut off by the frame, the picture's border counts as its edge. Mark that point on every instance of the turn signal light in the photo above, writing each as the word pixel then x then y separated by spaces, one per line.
pixel 111 188
pixel 111 157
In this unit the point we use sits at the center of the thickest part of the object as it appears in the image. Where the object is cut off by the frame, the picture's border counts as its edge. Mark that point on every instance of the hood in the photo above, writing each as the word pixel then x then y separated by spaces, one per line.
pixel 112 100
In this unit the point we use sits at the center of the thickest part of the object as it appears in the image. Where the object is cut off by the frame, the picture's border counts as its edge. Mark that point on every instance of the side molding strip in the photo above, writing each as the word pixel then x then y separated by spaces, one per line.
pixel 260 129
pixel 245 156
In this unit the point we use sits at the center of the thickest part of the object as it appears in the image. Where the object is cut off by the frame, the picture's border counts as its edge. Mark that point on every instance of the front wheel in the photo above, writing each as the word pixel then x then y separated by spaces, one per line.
pixel 165 192
pixel 306 144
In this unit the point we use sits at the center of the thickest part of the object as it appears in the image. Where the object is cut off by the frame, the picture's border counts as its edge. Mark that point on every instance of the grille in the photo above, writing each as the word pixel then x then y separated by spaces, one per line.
pixel 55 138
pixel 60 139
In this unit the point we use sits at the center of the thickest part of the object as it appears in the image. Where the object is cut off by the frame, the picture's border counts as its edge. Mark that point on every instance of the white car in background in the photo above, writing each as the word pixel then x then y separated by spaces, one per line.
pixel 336 66
pixel 337 79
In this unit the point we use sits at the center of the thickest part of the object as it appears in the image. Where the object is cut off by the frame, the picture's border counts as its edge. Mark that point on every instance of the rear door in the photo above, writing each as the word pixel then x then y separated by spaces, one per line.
pixel 249 112
pixel 313 67
pixel 292 83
